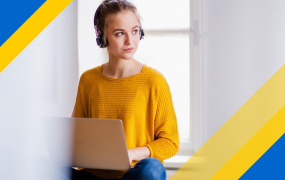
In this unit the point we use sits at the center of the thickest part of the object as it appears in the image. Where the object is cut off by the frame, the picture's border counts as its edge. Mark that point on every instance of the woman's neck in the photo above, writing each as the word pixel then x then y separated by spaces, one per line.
pixel 121 68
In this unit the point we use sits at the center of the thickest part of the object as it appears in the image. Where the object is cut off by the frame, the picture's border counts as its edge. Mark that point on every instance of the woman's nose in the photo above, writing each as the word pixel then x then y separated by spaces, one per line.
pixel 128 39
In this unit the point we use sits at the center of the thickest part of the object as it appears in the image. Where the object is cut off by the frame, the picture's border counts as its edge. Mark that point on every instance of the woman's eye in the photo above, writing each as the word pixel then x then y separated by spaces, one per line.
pixel 119 34
pixel 135 31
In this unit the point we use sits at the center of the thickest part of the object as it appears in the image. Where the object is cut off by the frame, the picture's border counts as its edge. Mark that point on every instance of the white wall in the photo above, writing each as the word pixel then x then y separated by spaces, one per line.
pixel 88 51
pixel 42 80
pixel 243 44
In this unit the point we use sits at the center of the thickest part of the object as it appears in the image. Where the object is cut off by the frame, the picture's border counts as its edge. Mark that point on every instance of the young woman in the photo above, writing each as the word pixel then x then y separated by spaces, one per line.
pixel 126 89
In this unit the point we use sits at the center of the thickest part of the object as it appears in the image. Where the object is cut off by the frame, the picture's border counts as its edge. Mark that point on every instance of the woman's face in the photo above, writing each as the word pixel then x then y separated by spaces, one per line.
pixel 123 35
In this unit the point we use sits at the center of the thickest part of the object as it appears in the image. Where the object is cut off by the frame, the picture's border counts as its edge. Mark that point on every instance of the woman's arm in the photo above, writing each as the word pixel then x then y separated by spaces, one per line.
pixel 166 136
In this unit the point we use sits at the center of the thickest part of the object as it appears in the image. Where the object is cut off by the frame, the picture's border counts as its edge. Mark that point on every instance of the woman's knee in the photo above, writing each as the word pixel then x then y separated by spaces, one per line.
pixel 153 168
pixel 146 169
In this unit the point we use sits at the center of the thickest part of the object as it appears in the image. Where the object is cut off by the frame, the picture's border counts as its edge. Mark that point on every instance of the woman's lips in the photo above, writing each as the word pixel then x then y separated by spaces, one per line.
pixel 128 49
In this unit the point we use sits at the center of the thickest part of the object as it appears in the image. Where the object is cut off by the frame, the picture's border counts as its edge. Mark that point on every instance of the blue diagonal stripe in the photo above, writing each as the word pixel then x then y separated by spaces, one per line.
pixel 13 13
pixel 271 165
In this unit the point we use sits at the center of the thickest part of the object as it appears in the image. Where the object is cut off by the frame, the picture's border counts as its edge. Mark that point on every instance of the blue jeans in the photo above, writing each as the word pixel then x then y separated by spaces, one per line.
pixel 146 169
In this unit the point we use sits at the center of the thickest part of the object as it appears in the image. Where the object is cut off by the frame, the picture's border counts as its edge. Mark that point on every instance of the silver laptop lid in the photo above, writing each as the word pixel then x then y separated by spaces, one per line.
pixel 99 144
pixel 87 143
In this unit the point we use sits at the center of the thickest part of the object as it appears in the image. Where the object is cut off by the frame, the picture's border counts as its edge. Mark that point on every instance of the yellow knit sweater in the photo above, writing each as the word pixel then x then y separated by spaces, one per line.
pixel 143 102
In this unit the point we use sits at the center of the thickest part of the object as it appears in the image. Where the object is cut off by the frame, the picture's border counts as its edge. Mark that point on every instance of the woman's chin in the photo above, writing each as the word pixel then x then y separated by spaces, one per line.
pixel 127 58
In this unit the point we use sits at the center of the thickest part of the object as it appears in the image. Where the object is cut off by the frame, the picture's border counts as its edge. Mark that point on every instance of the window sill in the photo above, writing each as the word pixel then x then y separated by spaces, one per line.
pixel 176 161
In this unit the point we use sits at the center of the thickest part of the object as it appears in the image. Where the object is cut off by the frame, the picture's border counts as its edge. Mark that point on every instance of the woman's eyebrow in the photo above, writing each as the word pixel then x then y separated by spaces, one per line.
pixel 136 26
pixel 124 30
pixel 118 30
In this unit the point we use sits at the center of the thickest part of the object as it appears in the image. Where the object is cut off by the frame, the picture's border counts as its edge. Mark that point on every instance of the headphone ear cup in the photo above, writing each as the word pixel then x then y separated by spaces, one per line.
pixel 99 40
pixel 141 33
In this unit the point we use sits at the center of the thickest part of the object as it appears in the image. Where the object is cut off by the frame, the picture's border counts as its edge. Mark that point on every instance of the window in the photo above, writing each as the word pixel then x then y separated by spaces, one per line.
pixel 166 47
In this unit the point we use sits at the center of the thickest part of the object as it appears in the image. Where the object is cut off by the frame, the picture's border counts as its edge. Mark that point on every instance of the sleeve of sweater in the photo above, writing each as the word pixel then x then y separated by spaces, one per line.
pixel 166 143
pixel 79 109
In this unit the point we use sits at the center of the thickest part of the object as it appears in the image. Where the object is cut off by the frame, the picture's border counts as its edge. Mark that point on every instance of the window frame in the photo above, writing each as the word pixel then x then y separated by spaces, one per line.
pixel 186 145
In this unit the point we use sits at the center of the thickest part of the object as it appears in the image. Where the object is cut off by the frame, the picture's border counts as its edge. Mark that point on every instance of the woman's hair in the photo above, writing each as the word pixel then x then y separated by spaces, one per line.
pixel 107 8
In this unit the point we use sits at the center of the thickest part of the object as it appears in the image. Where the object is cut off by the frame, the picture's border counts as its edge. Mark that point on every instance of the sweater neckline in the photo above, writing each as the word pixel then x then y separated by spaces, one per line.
pixel 99 71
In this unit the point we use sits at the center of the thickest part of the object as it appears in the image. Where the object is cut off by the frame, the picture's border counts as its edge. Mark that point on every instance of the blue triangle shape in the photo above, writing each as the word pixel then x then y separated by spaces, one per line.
pixel 13 14
pixel 271 165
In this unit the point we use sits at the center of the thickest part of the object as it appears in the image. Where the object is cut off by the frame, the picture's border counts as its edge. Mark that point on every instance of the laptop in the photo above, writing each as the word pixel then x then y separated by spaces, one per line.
pixel 89 143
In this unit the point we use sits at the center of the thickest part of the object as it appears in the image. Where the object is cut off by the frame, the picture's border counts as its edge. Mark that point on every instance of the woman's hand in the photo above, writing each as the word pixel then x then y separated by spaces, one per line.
pixel 131 156
pixel 139 153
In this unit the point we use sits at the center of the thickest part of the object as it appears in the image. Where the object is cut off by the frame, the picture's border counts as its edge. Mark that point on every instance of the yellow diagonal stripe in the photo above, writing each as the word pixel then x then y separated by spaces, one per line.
pixel 29 30
pixel 237 131
pixel 254 148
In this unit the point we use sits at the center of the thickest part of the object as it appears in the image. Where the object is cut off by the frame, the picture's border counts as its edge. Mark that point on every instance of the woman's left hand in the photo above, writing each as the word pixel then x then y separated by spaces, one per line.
pixel 139 153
